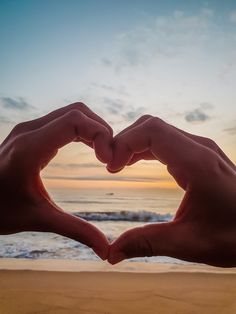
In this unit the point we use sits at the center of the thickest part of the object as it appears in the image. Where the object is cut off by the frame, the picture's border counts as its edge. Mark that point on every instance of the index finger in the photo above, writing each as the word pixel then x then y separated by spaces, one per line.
pixel 171 147
pixel 40 122
pixel 48 139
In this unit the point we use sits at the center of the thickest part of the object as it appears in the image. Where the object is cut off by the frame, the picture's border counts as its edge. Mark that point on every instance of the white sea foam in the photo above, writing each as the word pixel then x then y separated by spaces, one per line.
pixel 124 215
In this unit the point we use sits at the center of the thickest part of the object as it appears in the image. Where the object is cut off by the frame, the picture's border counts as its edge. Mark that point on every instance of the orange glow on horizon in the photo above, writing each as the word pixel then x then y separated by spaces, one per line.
pixel 70 172
pixel 73 184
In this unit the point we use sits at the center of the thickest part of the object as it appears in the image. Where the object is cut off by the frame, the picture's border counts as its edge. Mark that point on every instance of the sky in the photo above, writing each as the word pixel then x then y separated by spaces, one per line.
pixel 172 59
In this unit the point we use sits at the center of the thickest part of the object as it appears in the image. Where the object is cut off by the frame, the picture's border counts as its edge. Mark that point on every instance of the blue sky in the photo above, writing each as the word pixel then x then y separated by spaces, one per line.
pixel 174 59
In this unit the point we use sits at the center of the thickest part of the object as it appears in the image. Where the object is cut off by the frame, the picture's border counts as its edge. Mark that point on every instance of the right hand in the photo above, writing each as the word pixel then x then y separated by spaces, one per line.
pixel 204 227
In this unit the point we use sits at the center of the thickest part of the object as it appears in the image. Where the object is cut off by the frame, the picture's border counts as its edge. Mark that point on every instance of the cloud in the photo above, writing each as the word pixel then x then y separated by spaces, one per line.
pixel 107 62
pixel 113 106
pixel 133 114
pixel 120 90
pixel 15 103
pixel 106 178
pixel 207 12
pixel 228 66
pixel 206 105
pixel 232 17
pixel 197 115
pixel 125 111
pixel 231 131
pixel 75 165
pixel 4 119
pixel 161 38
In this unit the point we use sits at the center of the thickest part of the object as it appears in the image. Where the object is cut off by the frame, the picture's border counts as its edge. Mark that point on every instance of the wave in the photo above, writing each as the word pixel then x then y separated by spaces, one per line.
pixel 125 215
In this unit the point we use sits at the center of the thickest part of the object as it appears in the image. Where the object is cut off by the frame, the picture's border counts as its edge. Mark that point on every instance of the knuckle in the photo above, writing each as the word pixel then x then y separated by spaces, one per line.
pixel 137 242
pixel 78 106
pixel 18 146
pixel 73 116
pixel 103 132
pixel 145 246
pixel 145 117
pixel 22 140
pixel 208 162
pixel 18 128
pixel 211 144
pixel 207 155
pixel 120 141
pixel 153 123
pixel 77 120
pixel 208 142
pixel 109 130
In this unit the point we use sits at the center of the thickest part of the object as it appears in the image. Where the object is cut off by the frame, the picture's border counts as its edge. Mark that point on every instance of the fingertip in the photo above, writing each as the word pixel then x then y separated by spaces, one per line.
pixel 116 257
pixel 103 148
pixel 114 170
pixel 122 154
pixel 102 246
pixel 116 254
pixel 79 230
pixel 102 253
pixel 103 155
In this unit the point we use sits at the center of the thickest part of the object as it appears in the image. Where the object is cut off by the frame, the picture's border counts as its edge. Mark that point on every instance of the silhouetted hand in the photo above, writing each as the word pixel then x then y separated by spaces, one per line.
pixel 24 203
pixel 204 227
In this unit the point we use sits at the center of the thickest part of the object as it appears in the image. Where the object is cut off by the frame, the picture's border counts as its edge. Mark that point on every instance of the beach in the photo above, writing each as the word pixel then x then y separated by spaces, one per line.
pixel 70 286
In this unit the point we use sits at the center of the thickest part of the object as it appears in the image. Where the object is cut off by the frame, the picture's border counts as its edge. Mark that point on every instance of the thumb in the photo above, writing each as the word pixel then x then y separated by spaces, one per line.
pixel 149 240
pixel 57 221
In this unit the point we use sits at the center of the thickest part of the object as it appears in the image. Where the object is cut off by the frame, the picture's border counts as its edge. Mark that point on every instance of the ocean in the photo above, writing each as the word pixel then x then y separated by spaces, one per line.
pixel 113 211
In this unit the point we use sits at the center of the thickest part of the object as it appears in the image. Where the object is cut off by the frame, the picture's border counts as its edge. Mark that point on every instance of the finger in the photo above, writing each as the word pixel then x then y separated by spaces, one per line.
pixel 40 122
pixel 210 144
pixel 141 156
pixel 199 139
pixel 180 153
pixel 70 226
pixel 73 125
pixel 147 155
pixel 149 240
pixel 137 122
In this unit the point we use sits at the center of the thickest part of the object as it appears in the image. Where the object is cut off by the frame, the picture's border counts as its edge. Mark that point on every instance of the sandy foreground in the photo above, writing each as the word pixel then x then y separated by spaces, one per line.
pixel 62 286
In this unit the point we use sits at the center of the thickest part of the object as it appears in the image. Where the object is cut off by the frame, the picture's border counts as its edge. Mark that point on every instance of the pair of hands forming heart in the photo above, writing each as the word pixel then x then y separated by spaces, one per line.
pixel 204 227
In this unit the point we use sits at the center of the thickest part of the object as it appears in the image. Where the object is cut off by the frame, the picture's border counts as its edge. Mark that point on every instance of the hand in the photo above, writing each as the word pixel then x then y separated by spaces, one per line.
pixel 25 203
pixel 204 227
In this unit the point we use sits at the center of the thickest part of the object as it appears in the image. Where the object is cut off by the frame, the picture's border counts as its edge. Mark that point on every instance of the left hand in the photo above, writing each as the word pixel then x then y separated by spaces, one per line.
pixel 24 202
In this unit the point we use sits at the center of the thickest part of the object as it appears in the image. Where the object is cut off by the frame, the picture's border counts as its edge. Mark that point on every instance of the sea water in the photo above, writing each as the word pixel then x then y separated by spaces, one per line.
pixel 113 211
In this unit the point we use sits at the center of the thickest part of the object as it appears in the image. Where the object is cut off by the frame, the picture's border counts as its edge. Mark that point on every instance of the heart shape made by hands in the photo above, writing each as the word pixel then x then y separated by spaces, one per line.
pixel 192 160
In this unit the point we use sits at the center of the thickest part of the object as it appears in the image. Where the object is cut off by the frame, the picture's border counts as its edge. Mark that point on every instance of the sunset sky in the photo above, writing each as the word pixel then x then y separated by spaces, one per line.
pixel 172 59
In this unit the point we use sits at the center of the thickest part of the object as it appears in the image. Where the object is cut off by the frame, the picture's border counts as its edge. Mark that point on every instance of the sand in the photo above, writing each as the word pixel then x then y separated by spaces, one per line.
pixel 61 286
